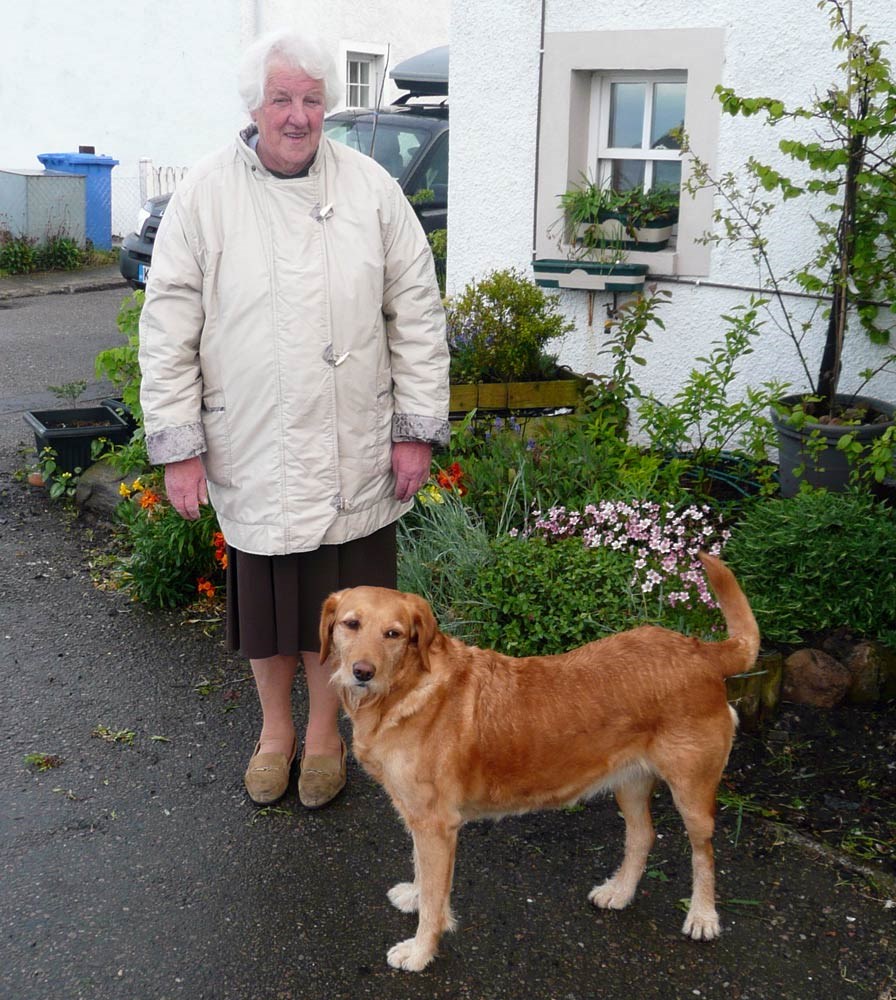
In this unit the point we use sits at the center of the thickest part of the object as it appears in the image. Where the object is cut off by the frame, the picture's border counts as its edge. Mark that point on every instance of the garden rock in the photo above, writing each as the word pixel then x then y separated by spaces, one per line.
pixel 864 666
pixel 98 490
pixel 813 677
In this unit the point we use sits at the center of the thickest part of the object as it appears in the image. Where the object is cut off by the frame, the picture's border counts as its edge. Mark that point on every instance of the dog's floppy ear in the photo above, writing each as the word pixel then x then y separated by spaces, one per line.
pixel 327 620
pixel 423 625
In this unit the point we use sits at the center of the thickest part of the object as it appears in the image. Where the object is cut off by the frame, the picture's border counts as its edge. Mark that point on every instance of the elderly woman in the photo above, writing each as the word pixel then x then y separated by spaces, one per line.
pixel 295 374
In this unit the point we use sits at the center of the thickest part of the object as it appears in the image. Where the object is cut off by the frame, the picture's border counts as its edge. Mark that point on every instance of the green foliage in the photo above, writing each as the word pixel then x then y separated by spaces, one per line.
pixel 536 597
pixel 17 254
pixel 69 392
pixel 818 561
pixel 499 328
pixel 59 253
pixel 422 197
pixel 169 554
pixel 120 364
pixel 23 254
pixel 60 483
pixel 703 420
pixel 847 167
pixel 438 241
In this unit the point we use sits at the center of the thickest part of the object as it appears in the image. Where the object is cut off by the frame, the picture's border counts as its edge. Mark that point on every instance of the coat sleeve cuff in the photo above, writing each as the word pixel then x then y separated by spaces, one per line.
pixel 411 427
pixel 174 444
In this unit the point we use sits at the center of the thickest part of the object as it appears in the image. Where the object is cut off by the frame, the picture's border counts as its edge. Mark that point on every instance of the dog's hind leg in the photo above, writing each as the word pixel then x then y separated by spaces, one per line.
pixel 633 798
pixel 434 850
pixel 695 799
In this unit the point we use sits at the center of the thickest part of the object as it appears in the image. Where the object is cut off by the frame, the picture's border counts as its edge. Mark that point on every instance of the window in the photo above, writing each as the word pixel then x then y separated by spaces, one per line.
pixel 610 104
pixel 432 174
pixel 634 128
pixel 360 80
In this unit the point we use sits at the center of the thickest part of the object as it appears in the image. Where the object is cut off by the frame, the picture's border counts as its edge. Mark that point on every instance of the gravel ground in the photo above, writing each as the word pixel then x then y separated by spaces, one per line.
pixel 139 870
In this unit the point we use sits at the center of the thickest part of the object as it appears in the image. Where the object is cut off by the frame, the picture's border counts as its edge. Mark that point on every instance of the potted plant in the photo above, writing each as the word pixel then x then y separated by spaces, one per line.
pixel 633 219
pixel 71 432
pixel 827 437
pixel 595 244
pixel 499 332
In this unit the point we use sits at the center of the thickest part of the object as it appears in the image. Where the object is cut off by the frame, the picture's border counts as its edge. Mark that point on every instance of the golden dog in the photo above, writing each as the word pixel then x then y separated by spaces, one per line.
pixel 456 733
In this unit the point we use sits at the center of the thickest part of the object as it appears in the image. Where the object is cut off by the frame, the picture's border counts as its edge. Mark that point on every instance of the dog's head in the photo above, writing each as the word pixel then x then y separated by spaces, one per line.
pixel 373 637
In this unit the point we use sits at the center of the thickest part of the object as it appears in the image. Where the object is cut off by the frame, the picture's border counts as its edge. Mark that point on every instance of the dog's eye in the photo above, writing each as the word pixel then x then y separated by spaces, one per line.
pixel 393 633
pixel 352 623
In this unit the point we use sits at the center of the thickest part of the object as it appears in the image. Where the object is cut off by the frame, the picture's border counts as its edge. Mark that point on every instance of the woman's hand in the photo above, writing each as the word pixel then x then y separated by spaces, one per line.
pixel 411 461
pixel 185 486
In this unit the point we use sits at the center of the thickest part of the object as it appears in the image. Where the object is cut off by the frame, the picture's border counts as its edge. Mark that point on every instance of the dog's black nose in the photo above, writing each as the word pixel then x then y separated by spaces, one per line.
pixel 363 671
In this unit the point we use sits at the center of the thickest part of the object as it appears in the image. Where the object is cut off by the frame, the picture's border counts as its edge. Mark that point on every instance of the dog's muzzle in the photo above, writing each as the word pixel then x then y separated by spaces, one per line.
pixel 363 672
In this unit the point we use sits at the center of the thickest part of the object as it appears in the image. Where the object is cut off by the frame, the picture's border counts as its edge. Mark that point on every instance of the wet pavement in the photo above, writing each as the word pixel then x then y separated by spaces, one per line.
pixel 138 869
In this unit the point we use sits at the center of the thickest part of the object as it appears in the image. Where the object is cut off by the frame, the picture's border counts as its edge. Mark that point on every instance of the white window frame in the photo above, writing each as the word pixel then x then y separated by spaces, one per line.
pixel 567 143
pixel 600 153
pixel 359 60
pixel 373 53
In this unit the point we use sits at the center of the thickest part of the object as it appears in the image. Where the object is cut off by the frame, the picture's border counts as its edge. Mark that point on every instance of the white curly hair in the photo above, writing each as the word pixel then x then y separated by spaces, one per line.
pixel 297 51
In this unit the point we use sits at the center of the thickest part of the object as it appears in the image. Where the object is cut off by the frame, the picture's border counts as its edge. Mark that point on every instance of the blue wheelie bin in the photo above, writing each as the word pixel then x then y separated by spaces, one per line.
pixel 98 190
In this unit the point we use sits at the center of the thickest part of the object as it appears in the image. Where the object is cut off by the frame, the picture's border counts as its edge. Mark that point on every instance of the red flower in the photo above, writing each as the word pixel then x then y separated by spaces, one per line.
pixel 205 587
pixel 220 549
pixel 452 478
pixel 148 499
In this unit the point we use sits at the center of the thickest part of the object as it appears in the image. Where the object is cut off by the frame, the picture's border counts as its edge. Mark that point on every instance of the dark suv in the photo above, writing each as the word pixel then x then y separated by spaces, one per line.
pixel 410 141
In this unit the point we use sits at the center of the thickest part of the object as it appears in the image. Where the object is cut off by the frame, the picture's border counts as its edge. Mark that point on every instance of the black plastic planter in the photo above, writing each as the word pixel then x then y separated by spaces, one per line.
pixel 823 466
pixel 70 433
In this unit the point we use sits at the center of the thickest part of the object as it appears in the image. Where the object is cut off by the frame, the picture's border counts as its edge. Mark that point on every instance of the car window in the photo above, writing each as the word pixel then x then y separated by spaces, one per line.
pixel 432 173
pixel 395 146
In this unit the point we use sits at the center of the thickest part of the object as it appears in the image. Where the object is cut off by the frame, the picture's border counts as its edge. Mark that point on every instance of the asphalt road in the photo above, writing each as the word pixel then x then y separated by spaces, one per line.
pixel 138 869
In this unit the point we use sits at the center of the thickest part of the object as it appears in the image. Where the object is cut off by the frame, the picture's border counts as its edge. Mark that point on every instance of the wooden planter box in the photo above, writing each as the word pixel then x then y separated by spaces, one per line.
pixel 550 395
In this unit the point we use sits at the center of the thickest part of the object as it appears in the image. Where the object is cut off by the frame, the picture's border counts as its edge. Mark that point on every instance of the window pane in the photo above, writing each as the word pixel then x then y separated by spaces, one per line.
pixel 627 115
pixel 668 114
pixel 627 174
pixel 667 173
pixel 364 73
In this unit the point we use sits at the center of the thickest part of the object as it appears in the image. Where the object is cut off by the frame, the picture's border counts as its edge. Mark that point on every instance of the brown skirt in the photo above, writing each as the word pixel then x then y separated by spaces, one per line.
pixel 274 602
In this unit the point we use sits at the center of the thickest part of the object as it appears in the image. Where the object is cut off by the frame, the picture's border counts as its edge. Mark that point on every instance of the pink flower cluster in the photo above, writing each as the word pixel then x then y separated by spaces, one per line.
pixel 665 541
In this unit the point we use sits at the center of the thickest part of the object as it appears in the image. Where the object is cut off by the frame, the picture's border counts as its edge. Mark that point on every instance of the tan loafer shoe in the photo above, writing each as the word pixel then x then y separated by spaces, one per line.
pixel 321 779
pixel 267 776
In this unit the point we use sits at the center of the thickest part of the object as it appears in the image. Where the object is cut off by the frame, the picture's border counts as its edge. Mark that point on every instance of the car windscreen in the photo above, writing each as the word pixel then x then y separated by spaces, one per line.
pixel 395 146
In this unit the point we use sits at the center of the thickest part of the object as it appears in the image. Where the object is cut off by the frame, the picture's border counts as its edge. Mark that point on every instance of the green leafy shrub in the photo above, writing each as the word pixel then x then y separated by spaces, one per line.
pixel 818 561
pixel 499 329
pixel 172 561
pixel 59 253
pixel 17 254
pixel 535 597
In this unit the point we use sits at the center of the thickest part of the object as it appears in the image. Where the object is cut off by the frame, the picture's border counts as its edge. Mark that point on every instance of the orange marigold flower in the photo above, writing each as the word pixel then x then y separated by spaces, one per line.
pixel 452 478
pixel 205 587
pixel 148 499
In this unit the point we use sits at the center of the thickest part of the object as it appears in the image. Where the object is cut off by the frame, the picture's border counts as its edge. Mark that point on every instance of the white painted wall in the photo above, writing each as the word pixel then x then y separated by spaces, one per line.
pixel 780 50
pixel 157 78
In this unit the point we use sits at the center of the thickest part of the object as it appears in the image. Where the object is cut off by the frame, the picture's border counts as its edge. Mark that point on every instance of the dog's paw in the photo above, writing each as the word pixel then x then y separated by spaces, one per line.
pixel 612 895
pixel 404 897
pixel 702 926
pixel 409 956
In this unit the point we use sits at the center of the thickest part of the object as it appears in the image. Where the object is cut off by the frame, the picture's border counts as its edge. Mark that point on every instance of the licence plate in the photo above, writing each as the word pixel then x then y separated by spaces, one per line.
pixel 143 273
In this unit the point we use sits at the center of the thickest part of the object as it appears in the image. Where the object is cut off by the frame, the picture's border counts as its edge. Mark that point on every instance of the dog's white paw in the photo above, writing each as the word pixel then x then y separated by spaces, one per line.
pixel 702 926
pixel 409 956
pixel 404 897
pixel 612 895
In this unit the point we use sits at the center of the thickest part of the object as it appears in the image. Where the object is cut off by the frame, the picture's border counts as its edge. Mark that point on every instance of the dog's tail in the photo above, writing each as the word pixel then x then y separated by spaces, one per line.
pixel 743 632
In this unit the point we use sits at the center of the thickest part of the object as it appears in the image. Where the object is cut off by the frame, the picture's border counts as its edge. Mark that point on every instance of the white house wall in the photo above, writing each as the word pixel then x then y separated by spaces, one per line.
pixel 779 49
pixel 158 79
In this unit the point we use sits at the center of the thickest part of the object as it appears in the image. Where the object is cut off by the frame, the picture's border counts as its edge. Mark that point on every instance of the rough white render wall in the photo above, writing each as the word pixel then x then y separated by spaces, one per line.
pixel 784 52
pixel 158 79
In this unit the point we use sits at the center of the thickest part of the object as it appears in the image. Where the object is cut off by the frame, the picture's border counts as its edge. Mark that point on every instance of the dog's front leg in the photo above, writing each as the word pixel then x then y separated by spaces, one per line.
pixel 405 896
pixel 435 844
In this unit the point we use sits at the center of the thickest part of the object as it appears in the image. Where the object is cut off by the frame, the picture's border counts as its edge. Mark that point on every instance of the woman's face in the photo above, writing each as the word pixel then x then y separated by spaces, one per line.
pixel 290 119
